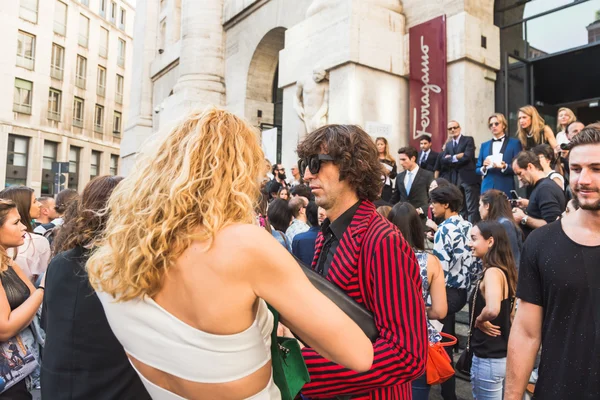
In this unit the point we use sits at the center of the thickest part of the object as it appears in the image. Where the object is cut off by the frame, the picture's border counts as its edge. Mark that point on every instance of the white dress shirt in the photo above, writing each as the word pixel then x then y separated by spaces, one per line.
pixel 413 173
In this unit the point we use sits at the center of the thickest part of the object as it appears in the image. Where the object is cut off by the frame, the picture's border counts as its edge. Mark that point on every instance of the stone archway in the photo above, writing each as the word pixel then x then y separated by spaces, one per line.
pixel 261 88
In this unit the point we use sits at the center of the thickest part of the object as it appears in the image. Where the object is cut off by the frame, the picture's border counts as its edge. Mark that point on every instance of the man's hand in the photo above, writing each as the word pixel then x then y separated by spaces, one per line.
pixel 460 155
pixel 523 203
pixel 503 165
pixel 420 211
pixel 447 156
pixel 487 162
pixel 518 214
pixel 431 224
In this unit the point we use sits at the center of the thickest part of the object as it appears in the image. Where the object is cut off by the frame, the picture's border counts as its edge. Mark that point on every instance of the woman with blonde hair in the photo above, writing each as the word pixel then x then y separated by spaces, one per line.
pixel 533 129
pixel 564 117
pixel 184 272
pixel 388 167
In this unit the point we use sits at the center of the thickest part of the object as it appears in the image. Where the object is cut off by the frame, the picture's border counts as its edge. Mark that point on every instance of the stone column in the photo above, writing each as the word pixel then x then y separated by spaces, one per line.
pixel 201 63
pixel 139 119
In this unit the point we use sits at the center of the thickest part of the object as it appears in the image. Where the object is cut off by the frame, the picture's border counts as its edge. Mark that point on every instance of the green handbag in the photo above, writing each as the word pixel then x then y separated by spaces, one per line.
pixel 289 369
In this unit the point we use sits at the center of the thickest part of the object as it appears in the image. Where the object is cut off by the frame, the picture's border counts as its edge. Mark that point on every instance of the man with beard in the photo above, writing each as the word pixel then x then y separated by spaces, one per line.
pixel 546 202
pixel 559 291
pixel 279 176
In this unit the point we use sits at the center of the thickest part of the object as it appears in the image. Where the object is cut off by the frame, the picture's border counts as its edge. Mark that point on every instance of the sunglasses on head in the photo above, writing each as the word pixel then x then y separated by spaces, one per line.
pixel 493 124
pixel 313 163
pixel 453 128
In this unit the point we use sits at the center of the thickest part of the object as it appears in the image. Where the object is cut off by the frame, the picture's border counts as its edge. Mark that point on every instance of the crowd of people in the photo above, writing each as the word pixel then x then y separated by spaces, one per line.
pixel 160 285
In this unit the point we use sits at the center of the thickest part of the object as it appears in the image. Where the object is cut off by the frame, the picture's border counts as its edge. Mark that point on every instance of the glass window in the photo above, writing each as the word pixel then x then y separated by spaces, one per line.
pixel 117 124
pixel 122 19
pixel 101 84
pixel 57 63
pixel 54 99
pixel 50 150
pixel 60 18
pixel 94 164
pixel 73 167
pixel 113 12
pixel 25 50
pixel 121 56
pixel 28 10
pixel 84 30
pixel 114 164
pixel 23 96
pixel 103 8
pixel 81 72
pixel 18 147
pixel 99 119
pixel 573 27
pixel 78 108
pixel 119 89
pixel 103 47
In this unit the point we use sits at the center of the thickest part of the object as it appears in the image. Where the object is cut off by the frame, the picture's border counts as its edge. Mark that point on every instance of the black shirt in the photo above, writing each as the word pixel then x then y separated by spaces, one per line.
pixel 332 234
pixel 547 202
pixel 82 357
pixel 563 277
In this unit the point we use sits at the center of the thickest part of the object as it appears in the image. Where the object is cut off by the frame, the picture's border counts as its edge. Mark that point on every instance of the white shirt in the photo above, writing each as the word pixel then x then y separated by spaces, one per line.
pixel 413 173
pixel 33 256
pixel 497 145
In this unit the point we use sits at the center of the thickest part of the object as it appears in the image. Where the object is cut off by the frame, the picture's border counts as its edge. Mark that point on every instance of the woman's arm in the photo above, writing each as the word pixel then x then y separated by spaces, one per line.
pixel 13 322
pixel 493 288
pixel 437 289
pixel 550 137
pixel 276 277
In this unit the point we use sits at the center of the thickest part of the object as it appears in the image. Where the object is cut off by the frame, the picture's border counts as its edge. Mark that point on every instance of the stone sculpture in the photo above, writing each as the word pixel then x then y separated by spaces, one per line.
pixel 312 99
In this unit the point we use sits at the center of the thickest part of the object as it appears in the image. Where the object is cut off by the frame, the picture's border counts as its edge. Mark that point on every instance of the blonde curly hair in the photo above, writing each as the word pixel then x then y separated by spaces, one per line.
pixel 201 177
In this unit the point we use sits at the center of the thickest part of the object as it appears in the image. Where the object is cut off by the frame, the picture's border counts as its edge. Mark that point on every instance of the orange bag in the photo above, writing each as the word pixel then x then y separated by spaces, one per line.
pixel 439 367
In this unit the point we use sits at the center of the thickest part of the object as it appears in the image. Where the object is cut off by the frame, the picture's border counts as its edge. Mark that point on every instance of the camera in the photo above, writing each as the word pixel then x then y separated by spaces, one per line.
pixel 564 146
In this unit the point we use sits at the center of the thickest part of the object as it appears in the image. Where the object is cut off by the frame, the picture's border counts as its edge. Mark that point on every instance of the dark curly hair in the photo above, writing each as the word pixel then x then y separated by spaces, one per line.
pixel 355 154
pixel 86 217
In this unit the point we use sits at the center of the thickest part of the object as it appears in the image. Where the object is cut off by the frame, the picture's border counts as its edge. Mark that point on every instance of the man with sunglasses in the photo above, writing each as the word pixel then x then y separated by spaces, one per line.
pixel 366 256
pixel 459 157
pixel 496 156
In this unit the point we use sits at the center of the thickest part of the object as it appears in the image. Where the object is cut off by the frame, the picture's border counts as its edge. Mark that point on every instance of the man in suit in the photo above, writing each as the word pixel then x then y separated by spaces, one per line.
pixel 412 185
pixel 496 156
pixel 427 157
pixel 366 256
pixel 459 157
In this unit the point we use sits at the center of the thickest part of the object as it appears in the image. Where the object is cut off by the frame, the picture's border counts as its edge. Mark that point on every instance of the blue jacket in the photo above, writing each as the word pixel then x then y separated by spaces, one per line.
pixel 495 178
pixel 303 245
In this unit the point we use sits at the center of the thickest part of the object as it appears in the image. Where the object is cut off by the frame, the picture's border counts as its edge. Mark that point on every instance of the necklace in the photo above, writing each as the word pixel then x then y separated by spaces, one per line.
pixel 530 135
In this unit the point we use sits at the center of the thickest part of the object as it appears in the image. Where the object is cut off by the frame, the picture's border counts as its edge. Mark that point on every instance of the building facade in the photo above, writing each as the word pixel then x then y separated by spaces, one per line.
pixel 249 56
pixel 64 79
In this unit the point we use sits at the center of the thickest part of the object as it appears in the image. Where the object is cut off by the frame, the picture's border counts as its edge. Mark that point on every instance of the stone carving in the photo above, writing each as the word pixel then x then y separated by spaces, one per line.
pixel 319 5
pixel 312 99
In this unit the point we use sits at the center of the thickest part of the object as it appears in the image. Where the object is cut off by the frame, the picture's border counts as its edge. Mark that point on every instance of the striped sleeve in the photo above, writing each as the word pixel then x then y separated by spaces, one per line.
pixel 400 351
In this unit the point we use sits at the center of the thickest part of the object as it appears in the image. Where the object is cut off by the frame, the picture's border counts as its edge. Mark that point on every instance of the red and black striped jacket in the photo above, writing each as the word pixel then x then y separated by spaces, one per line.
pixel 376 267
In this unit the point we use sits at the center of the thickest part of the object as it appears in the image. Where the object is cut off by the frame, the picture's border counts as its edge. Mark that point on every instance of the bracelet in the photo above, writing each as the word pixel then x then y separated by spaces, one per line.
pixel 41 287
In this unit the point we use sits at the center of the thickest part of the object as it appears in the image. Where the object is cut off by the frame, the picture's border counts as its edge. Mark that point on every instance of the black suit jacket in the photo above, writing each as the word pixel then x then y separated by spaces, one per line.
pixel 429 163
pixel 462 171
pixel 419 191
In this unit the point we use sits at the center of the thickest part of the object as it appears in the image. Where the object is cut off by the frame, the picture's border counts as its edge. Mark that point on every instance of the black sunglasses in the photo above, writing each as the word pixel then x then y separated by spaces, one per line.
pixel 453 128
pixel 494 124
pixel 313 163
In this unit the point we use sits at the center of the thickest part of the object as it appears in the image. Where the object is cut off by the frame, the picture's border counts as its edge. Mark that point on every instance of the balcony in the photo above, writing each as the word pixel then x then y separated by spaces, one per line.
pixel 25 62
pixel 60 28
pixel 56 72
pixel 103 51
pixel 78 122
pixel 22 108
pixel 54 115
pixel 83 40
pixel 121 61
pixel 101 90
pixel 80 81
pixel 119 98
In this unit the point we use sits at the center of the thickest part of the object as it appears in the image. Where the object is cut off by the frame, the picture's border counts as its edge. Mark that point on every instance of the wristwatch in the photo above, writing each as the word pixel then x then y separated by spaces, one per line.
pixel 524 220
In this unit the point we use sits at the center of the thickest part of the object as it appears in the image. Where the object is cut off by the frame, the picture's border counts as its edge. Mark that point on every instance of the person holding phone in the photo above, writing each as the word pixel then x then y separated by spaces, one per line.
pixel 496 155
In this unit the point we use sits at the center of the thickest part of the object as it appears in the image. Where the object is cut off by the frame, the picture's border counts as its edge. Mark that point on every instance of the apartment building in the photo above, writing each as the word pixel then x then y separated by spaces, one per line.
pixel 64 89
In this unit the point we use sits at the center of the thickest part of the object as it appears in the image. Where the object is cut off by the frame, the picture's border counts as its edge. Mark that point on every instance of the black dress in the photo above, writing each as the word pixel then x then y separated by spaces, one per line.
pixel 386 194
pixel 82 358
pixel 16 293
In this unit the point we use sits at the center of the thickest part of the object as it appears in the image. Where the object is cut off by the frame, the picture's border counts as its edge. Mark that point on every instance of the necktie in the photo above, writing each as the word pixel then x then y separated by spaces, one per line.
pixel 423 158
pixel 498 140
pixel 455 145
pixel 409 182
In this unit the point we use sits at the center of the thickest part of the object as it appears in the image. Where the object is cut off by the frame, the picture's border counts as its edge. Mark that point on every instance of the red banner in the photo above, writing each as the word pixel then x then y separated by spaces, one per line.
pixel 428 82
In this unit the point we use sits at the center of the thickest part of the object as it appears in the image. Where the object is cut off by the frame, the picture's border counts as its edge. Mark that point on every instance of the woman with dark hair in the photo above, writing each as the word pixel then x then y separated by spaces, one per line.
pixel 279 216
pixel 34 255
pixel 19 300
pixel 494 304
pixel 548 162
pixel 82 357
pixel 408 221
pixel 388 165
pixel 283 193
pixel 495 206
